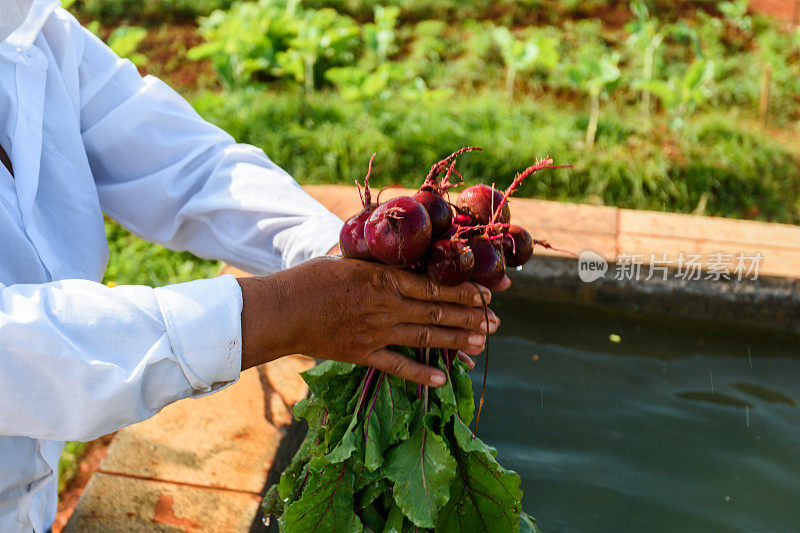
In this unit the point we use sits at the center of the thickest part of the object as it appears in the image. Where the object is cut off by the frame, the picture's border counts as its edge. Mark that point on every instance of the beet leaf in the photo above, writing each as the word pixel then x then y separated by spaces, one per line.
pixel 421 469
pixel 383 455
pixel 327 501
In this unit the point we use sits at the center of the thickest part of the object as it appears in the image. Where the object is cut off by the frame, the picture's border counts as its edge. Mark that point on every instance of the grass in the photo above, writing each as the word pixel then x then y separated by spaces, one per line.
pixel 325 139
pixel 133 261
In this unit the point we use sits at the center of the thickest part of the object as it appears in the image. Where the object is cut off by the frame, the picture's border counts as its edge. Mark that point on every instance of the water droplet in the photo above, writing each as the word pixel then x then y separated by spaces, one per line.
pixel 265 520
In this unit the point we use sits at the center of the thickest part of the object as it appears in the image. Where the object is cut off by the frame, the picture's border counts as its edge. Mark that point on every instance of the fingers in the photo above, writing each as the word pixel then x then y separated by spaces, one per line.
pixel 423 288
pixel 452 315
pixel 420 336
pixel 504 284
pixel 466 359
pixel 403 367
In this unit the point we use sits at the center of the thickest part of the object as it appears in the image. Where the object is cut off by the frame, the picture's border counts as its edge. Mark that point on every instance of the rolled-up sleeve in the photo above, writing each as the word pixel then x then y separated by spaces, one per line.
pixel 173 178
pixel 81 359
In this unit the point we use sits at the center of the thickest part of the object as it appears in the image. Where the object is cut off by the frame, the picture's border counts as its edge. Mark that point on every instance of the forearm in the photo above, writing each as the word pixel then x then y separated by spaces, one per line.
pixel 79 359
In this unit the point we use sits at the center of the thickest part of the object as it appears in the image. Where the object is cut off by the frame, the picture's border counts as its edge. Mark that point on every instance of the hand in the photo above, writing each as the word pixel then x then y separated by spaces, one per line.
pixel 351 311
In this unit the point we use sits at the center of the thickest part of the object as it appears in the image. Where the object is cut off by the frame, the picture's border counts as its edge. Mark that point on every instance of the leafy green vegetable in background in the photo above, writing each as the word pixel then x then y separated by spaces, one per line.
pixel 380 40
pixel 681 95
pixel 596 72
pixel 382 454
pixel 276 38
pixel 645 38
pixel 125 40
pixel 321 35
pixel 536 52
pixel 245 41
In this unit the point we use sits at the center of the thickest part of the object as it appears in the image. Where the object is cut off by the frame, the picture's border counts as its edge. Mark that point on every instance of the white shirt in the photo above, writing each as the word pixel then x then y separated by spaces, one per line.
pixel 87 135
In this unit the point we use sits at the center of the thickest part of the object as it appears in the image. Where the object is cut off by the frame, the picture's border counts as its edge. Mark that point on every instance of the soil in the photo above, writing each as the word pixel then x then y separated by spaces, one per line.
pixel 788 10
pixel 165 48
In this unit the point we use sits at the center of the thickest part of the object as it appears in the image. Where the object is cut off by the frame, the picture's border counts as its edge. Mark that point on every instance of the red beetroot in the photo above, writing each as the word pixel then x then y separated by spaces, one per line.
pixel 439 211
pixel 490 265
pixel 517 246
pixel 351 238
pixel 450 261
pixel 450 231
pixel 398 232
pixel 479 202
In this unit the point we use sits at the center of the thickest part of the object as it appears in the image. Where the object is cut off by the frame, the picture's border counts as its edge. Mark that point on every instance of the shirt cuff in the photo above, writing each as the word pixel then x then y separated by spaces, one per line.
pixel 204 325
pixel 313 238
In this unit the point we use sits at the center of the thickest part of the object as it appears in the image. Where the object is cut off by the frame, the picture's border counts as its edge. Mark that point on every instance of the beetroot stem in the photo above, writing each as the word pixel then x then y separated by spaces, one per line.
pixel 546 244
pixel 437 168
pixel 541 164
pixel 372 405
pixel 420 358
pixel 425 387
pixel 365 384
pixel 486 363
pixel 367 200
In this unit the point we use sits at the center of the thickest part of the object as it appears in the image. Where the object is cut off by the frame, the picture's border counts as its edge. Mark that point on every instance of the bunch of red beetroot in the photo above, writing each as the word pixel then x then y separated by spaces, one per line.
pixel 471 239
pixel 385 455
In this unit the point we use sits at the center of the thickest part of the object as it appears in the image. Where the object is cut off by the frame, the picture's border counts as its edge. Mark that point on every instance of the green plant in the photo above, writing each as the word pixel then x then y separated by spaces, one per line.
pixel 276 38
pixel 382 454
pixel 320 35
pixel 596 73
pixel 536 52
pixel 736 13
pixel 379 36
pixel 125 40
pixel 356 83
pixel 244 42
pixel 645 37
pixel 323 138
pixel 681 95
pixel 781 50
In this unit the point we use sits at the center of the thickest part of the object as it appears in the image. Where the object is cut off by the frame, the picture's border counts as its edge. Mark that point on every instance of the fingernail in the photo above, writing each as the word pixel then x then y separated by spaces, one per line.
pixel 487 295
pixel 476 339
pixel 483 326
pixel 437 379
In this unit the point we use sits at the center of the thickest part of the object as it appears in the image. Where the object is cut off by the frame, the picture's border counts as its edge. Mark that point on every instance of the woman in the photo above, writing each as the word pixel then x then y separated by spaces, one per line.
pixel 83 134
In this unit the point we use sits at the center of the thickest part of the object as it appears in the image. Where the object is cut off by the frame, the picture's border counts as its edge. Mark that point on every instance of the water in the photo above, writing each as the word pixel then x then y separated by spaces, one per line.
pixel 676 427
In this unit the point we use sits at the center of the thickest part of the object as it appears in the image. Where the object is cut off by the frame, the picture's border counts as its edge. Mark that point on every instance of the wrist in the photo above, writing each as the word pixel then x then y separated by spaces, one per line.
pixel 265 323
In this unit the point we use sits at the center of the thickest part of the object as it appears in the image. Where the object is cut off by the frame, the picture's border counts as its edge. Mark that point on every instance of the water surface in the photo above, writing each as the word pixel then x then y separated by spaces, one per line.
pixel 679 427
